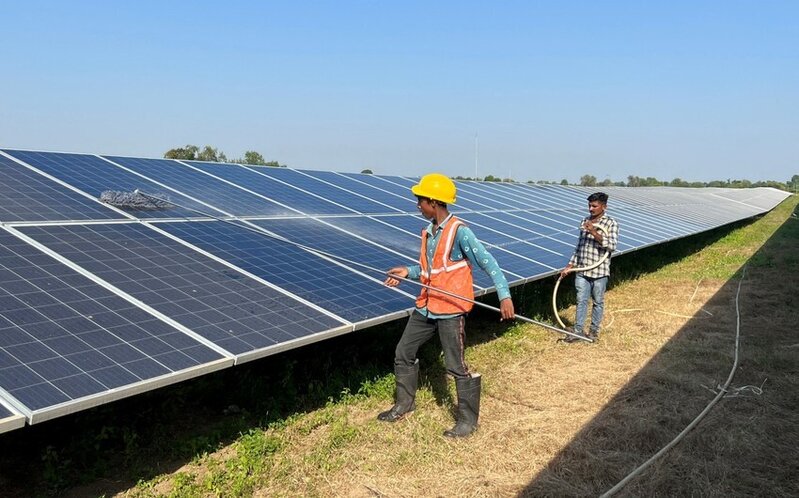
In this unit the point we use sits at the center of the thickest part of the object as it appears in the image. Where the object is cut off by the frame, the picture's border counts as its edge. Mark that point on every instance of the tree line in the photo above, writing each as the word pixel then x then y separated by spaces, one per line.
pixel 214 155
pixel 791 185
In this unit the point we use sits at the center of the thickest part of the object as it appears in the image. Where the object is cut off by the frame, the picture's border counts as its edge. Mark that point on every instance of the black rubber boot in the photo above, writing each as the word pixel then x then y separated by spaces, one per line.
pixel 468 406
pixel 405 393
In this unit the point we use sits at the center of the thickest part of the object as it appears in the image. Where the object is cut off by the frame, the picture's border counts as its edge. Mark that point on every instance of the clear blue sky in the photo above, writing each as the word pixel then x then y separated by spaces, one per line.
pixel 700 90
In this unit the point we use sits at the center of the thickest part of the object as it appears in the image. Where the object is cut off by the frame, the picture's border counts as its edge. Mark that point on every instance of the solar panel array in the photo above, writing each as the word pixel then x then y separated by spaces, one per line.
pixel 98 303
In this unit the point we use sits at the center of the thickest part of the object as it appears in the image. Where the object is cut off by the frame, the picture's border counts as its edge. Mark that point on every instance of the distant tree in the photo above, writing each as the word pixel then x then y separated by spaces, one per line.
pixel 717 183
pixel 773 184
pixel 211 154
pixel 254 158
pixel 741 184
pixel 492 178
pixel 678 182
pixel 188 153
pixel 607 182
pixel 633 181
pixel 367 172
pixel 619 184
pixel 651 181
pixel 793 183
pixel 588 181
pixel 274 164
pixel 564 182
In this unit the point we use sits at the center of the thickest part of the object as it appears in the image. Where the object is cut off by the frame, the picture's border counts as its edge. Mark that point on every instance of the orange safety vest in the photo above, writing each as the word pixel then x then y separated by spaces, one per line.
pixel 446 274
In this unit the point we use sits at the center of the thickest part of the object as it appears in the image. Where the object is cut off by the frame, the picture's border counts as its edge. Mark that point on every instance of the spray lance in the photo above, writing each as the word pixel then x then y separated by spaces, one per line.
pixel 138 200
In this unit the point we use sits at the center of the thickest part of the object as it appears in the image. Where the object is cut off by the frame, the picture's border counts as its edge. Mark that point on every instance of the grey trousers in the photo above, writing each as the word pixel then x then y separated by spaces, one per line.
pixel 451 333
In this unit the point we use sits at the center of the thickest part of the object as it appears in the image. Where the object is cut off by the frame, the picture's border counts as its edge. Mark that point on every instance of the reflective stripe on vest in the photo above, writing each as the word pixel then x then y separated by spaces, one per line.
pixel 445 274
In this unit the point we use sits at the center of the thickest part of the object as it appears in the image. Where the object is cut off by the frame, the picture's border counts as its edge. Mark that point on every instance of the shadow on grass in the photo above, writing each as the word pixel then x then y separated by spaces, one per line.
pixel 111 447
pixel 745 446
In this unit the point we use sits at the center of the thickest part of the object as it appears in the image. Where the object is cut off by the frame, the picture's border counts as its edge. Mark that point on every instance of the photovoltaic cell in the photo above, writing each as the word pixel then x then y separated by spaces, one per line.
pixel 519 266
pixel 481 199
pixel 322 237
pixel 402 187
pixel 399 240
pixel 226 197
pixel 302 180
pixel 332 287
pixel 401 202
pixel 263 184
pixel 64 338
pixel 384 183
pixel 218 303
pixel 29 196
pixel 386 235
pixel 539 227
pixel 526 243
pixel 4 412
pixel 95 176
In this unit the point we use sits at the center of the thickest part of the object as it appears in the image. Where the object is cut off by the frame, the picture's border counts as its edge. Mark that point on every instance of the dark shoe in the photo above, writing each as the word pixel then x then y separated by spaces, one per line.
pixel 405 393
pixel 468 406
pixel 593 335
pixel 393 414
pixel 571 338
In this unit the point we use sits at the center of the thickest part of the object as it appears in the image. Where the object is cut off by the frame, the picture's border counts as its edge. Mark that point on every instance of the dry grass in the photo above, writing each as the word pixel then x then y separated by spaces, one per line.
pixel 572 420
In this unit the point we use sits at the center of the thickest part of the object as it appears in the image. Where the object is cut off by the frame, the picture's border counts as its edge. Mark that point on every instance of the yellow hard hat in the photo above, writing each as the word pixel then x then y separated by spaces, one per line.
pixel 436 186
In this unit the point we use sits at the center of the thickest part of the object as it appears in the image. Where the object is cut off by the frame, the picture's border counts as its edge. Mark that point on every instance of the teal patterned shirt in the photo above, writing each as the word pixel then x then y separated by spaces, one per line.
pixel 466 246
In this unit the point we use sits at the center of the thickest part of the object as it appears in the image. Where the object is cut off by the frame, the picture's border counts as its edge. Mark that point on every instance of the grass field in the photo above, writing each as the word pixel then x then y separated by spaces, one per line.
pixel 556 419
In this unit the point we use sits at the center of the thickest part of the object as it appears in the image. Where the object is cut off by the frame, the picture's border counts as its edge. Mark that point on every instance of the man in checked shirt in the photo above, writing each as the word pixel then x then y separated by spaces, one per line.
pixel 599 233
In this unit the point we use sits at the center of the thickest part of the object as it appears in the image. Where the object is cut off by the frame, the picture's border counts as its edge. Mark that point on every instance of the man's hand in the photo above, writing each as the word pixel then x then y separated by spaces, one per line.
pixel 565 272
pixel 589 227
pixel 400 271
pixel 506 306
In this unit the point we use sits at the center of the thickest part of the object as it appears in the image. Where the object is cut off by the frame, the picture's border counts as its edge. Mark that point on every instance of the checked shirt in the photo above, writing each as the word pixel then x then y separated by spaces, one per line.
pixel 589 251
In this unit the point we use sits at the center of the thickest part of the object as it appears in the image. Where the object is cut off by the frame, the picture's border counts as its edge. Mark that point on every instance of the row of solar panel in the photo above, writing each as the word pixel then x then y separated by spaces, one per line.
pixel 94 311
pixel 234 190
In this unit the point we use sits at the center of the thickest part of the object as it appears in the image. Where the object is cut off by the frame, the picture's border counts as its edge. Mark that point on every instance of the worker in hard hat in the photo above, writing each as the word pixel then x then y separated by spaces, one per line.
pixel 449 251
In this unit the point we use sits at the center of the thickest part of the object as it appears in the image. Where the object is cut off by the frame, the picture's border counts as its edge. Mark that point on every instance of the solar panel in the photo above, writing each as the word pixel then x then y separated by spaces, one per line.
pixel 400 187
pixel 389 236
pixel 220 303
pixel 359 187
pixel 304 181
pixel 98 303
pixel 227 198
pixel 382 183
pixel 28 196
pixel 351 246
pixel 546 251
pixel 67 342
pixel 354 297
pixel 94 175
pixel 260 182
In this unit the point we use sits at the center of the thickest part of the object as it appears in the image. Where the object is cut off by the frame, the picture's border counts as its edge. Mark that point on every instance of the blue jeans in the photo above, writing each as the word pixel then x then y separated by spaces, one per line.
pixel 595 288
